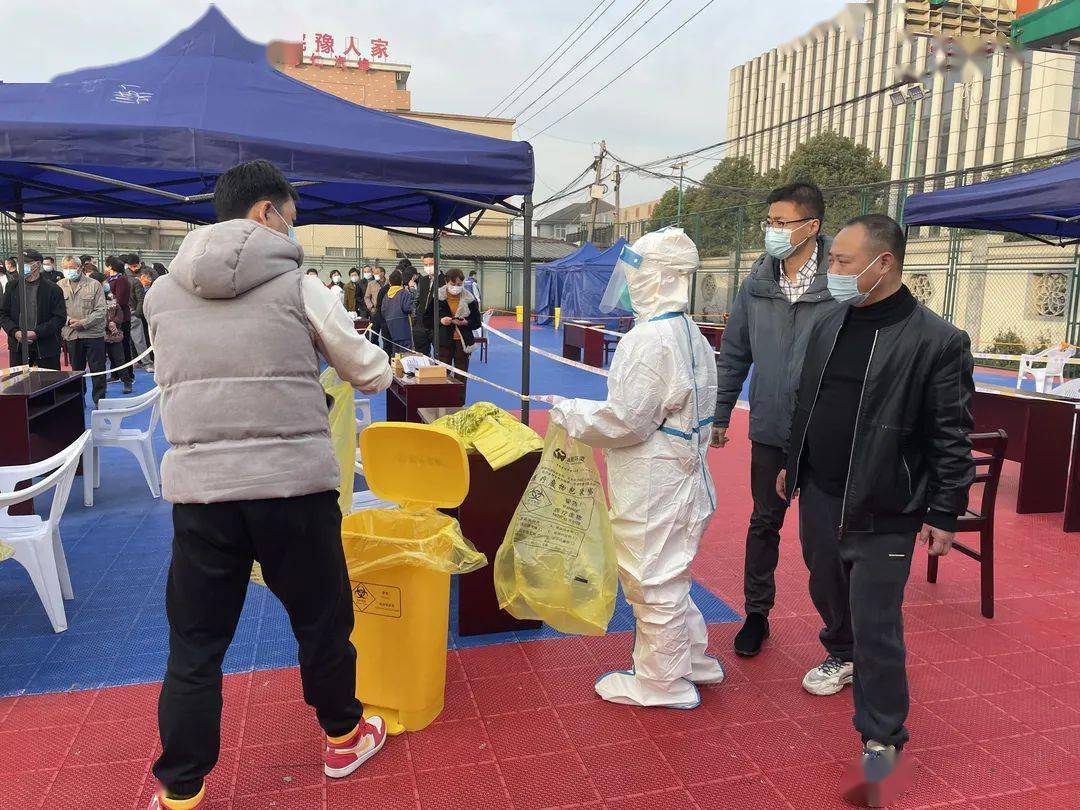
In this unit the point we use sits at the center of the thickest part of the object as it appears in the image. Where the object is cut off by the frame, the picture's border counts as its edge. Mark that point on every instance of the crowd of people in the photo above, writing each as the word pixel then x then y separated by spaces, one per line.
pixel 92 318
pixel 401 307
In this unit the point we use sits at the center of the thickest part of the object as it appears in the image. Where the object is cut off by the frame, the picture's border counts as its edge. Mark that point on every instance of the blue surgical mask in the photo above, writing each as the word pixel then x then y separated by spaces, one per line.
pixel 71 274
pixel 778 242
pixel 292 231
pixel 845 289
pixel 106 287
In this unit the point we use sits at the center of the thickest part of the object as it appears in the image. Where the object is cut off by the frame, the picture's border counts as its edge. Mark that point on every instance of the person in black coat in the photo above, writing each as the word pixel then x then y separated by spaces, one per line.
pixel 459 316
pixel 47 316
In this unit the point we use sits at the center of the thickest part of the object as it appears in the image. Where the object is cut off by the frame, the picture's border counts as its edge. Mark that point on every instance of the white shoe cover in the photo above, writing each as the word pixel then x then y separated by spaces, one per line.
pixel 628 689
pixel 707 671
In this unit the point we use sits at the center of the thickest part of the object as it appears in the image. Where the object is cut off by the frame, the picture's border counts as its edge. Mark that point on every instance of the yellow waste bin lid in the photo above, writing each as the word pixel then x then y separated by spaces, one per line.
pixel 415 465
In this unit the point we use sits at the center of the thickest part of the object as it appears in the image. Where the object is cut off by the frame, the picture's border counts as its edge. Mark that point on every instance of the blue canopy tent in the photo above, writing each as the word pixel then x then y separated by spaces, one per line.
pixel 1043 204
pixel 549 281
pixel 149 137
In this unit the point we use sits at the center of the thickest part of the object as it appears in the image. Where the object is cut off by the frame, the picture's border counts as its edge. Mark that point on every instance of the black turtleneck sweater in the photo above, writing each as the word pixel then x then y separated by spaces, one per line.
pixel 832 426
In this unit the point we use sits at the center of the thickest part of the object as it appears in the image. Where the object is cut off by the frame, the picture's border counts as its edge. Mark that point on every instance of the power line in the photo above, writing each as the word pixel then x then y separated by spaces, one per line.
pixel 598 64
pixel 505 102
pixel 626 70
pixel 626 18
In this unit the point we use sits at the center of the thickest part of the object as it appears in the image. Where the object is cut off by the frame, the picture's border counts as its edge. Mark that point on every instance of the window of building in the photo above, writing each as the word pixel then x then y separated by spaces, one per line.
pixel 171 242
pixel 401 79
pixel 1048 294
pixel 340 252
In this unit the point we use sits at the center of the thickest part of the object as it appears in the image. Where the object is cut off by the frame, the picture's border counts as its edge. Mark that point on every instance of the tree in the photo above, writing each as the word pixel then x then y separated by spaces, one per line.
pixel 830 160
pixel 728 203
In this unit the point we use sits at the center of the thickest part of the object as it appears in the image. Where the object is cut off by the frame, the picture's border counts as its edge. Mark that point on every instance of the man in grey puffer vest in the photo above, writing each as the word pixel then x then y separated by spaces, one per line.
pixel 237 331
pixel 778 304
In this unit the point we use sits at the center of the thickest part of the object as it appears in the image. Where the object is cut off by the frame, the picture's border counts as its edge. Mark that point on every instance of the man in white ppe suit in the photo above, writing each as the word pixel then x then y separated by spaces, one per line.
pixel 654 428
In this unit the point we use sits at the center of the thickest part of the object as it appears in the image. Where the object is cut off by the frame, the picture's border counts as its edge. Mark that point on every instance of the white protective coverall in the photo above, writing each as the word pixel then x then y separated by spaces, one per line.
pixel 654 427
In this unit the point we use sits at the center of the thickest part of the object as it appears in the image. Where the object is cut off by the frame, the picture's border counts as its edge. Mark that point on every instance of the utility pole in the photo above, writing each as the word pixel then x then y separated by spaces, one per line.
pixel 681 166
pixel 615 228
pixel 594 192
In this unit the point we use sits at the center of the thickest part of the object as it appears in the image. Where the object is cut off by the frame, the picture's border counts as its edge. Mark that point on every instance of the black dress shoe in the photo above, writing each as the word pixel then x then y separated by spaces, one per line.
pixel 754 631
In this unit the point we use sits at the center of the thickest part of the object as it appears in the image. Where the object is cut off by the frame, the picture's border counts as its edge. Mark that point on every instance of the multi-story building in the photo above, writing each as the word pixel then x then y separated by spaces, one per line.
pixel 984 102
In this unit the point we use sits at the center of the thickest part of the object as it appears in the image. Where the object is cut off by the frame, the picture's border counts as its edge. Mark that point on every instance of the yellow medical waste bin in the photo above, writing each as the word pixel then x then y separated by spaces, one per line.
pixel 519 312
pixel 400 562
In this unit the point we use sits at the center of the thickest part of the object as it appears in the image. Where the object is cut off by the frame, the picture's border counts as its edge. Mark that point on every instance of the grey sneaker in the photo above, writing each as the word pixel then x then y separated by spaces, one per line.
pixel 829 677
pixel 878 764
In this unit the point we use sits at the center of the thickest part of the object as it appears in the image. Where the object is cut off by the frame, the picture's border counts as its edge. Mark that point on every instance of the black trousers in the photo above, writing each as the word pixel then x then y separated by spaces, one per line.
pixel 51 361
pixel 90 353
pixel 763 535
pixel 146 331
pixel 455 355
pixel 129 349
pixel 857 585
pixel 421 339
pixel 115 354
pixel 298 543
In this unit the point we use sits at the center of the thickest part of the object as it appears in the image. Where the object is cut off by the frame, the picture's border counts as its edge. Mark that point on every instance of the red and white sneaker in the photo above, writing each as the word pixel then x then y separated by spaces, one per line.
pixel 161 802
pixel 342 758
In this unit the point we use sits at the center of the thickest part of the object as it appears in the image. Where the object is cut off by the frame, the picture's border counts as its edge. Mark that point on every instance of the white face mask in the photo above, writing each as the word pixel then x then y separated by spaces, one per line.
pixel 454 289
pixel 72 273
pixel 367 276
pixel 429 269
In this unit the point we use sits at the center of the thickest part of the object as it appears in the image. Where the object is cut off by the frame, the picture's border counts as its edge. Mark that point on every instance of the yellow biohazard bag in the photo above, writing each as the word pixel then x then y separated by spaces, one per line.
pixel 557 560
pixel 342 433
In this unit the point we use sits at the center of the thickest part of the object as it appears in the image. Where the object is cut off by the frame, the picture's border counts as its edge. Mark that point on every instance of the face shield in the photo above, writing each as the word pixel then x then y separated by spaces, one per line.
pixel 617 294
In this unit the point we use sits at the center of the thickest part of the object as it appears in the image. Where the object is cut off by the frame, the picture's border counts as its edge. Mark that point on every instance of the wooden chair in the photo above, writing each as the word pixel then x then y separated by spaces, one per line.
pixel 611 342
pixel 989 456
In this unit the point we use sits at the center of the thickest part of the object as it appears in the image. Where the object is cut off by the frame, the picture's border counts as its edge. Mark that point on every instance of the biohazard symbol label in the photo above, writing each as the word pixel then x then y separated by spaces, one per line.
pixel 377 600
pixel 537 498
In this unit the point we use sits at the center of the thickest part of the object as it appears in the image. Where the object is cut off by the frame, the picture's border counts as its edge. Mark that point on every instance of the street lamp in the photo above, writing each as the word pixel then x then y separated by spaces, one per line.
pixel 908 96
pixel 681 166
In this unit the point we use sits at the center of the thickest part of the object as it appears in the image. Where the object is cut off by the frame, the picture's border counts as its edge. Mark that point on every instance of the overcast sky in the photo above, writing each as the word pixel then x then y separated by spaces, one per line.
pixel 466 55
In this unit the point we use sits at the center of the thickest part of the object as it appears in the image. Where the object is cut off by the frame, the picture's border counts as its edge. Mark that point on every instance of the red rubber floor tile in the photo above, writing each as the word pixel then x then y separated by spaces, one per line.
pixel 1038 709
pixel 472 786
pixel 676 799
pixel 557 653
pixel 45 711
pixel 778 744
pixel 278 767
pixel 1036 668
pixel 384 793
pixel 984 678
pixel 601 723
pixel 704 756
pixel 462 742
pixel 972 772
pixel 289 799
pixel 35 750
pixel 928 683
pixel 796 702
pixel 527 734
pixel 627 768
pixel 508 694
pixel 755 792
pixel 458 703
pixel 281 722
pixel 740 704
pixel 1035 758
pixel 551 780
pixel 496 661
pixel 977 718
pixel 567 687
pixel 118 741
pixel 92 787
pixel 25 789
pixel 275 686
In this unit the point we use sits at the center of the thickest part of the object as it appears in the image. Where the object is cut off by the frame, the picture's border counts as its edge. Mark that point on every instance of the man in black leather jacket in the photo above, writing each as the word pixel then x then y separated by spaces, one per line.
pixel 879 451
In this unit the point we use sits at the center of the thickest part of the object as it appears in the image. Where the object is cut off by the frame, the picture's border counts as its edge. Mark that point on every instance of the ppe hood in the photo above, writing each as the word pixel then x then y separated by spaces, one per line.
pixel 656 272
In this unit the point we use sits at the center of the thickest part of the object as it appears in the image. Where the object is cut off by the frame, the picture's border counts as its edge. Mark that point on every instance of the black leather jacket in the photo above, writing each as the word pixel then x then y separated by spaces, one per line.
pixel 911 457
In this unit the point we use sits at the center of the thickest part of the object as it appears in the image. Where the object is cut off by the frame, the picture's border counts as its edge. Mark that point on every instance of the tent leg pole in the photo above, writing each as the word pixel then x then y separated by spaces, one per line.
pixel 24 304
pixel 526 306
pixel 433 293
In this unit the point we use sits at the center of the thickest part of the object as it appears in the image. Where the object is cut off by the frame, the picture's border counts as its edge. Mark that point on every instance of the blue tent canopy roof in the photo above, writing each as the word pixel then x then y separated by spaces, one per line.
pixel 576 283
pixel 1043 203
pixel 208 99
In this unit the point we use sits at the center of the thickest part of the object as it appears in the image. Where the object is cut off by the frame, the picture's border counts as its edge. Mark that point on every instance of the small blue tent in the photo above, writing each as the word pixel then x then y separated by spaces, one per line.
pixel 576 283
pixel 549 277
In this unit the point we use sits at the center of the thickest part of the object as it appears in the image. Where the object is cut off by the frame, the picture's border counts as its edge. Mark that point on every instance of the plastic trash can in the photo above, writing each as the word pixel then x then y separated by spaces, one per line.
pixel 400 562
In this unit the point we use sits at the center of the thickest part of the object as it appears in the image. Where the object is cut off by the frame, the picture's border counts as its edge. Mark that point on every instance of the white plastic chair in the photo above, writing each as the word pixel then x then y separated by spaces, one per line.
pixel 1053 370
pixel 36 542
pixel 1071 389
pixel 106 424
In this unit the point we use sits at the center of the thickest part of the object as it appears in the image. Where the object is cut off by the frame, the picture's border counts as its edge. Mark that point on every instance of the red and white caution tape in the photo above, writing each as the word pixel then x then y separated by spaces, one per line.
pixel 550 355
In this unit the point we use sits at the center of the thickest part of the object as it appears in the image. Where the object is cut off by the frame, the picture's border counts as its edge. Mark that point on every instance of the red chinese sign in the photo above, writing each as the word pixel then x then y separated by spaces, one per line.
pixel 325 52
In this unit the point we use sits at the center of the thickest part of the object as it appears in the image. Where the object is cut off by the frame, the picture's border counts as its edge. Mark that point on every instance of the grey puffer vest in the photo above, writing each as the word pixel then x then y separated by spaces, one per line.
pixel 241 402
